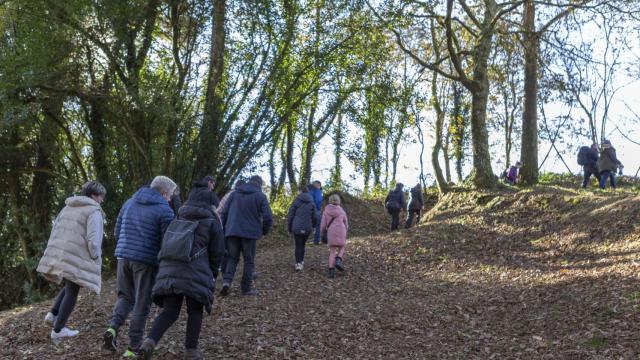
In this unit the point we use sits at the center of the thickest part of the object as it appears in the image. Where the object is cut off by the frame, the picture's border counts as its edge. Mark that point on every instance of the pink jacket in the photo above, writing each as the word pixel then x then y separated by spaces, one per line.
pixel 337 232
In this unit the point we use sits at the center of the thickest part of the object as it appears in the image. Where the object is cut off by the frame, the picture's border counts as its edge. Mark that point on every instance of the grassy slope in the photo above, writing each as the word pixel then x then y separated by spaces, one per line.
pixel 543 273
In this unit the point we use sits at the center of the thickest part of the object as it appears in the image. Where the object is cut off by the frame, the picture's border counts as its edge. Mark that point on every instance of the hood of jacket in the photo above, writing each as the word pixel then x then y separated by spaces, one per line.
pixel 304 197
pixel 249 188
pixel 147 196
pixel 333 210
pixel 192 210
pixel 78 201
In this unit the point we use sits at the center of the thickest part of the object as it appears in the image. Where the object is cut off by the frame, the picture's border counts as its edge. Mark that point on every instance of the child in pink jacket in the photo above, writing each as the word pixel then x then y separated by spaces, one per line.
pixel 334 223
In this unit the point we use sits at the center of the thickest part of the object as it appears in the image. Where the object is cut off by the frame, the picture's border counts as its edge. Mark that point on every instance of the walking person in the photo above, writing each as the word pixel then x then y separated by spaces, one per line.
pixel 209 183
pixel 315 190
pixel 415 205
pixel 302 218
pixel 222 205
pixel 73 255
pixel 608 164
pixel 140 226
pixel 176 201
pixel 513 174
pixel 190 280
pixel 246 218
pixel 588 158
pixel 394 203
pixel 335 224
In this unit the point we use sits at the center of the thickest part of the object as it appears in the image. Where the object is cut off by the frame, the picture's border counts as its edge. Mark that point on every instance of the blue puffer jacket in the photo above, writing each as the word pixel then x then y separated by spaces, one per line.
pixel 141 224
pixel 316 194
pixel 247 213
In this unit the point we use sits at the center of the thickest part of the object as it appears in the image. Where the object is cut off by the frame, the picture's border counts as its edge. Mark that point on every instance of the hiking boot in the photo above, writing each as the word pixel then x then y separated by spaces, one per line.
pixel 252 292
pixel 225 289
pixel 50 318
pixel 133 354
pixel 146 349
pixel 110 339
pixel 193 354
pixel 339 264
pixel 332 273
pixel 64 333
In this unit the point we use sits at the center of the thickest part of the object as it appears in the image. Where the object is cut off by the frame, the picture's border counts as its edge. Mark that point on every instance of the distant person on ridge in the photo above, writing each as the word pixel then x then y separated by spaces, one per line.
pixel 73 255
pixel 187 277
pixel 302 218
pixel 394 203
pixel 588 158
pixel 513 174
pixel 415 205
pixel 315 190
pixel 335 224
pixel 141 224
pixel 608 164
pixel 246 218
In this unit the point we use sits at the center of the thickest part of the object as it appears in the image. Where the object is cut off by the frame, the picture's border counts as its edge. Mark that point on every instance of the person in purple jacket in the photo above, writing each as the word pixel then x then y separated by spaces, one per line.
pixel 513 173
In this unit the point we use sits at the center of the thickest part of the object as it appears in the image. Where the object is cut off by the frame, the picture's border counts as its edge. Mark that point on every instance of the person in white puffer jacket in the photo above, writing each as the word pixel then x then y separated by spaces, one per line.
pixel 73 254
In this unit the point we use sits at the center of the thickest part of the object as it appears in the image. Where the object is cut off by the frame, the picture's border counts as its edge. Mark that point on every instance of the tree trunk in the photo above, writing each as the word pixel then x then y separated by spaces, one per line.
pixel 447 159
pixel 336 176
pixel 437 146
pixel 209 147
pixel 291 172
pixel 529 148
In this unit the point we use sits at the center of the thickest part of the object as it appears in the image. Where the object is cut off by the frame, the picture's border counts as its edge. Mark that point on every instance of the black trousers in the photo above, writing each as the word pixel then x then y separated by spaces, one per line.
pixel 171 305
pixel 410 216
pixel 64 304
pixel 395 218
pixel 301 242
pixel 588 171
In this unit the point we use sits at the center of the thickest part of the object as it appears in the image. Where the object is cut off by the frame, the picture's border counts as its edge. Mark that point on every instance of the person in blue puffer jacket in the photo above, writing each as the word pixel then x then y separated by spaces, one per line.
pixel 315 190
pixel 140 227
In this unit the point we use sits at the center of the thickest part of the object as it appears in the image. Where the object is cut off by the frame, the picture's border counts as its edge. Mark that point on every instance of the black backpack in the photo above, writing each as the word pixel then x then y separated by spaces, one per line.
pixel 583 155
pixel 178 240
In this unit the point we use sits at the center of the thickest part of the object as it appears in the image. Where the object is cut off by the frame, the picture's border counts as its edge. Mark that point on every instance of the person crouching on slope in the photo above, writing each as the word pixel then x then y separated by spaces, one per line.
pixel 335 224
pixel 302 218
pixel 73 254
pixel 187 278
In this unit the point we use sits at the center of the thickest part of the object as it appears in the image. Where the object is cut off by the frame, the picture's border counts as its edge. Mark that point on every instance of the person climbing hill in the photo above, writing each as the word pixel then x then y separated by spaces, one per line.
pixel 608 164
pixel 302 219
pixel 73 255
pixel 335 225
pixel 588 158
pixel 315 190
pixel 394 203
pixel 415 205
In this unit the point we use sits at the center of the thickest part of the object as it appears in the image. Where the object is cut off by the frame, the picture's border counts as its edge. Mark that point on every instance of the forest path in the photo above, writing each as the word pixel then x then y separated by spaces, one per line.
pixel 544 274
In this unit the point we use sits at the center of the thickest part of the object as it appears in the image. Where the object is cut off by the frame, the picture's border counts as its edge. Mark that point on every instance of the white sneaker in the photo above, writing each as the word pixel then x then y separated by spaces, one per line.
pixel 299 266
pixel 50 318
pixel 64 333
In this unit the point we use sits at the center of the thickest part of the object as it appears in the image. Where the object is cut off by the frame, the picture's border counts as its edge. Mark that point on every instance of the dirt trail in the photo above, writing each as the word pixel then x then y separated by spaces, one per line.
pixel 550 274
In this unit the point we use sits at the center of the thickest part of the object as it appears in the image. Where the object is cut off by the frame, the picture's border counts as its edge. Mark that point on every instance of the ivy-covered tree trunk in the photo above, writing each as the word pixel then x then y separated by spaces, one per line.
pixel 437 146
pixel 529 147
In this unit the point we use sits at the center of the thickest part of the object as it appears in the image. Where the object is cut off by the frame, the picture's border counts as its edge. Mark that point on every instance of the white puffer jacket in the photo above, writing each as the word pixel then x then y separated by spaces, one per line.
pixel 74 248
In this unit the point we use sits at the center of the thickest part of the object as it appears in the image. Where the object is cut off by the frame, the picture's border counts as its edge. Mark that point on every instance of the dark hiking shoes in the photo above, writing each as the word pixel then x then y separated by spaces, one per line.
pixel 193 354
pixel 225 289
pixel 146 349
pixel 339 264
pixel 252 292
pixel 110 339
pixel 332 273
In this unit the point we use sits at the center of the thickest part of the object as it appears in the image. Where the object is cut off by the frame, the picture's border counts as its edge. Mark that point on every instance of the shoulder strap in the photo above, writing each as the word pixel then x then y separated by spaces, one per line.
pixel 330 222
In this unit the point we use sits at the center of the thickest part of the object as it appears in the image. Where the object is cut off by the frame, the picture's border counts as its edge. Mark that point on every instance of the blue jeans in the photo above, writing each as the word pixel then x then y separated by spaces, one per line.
pixel 604 175
pixel 247 248
pixel 316 233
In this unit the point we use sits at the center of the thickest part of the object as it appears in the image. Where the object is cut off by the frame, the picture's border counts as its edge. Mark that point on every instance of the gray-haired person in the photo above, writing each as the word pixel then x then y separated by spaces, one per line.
pixel 141 224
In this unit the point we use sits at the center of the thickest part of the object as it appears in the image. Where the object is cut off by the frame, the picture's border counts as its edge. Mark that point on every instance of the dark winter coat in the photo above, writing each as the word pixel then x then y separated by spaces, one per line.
pixel 175 203
pixel 608 160
pixel 247 214
pixel 591 157
pixel 194 279
pixel 199 185
pixel 141 224
pixel 395 199
pixel 417 199
pixel 302 217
